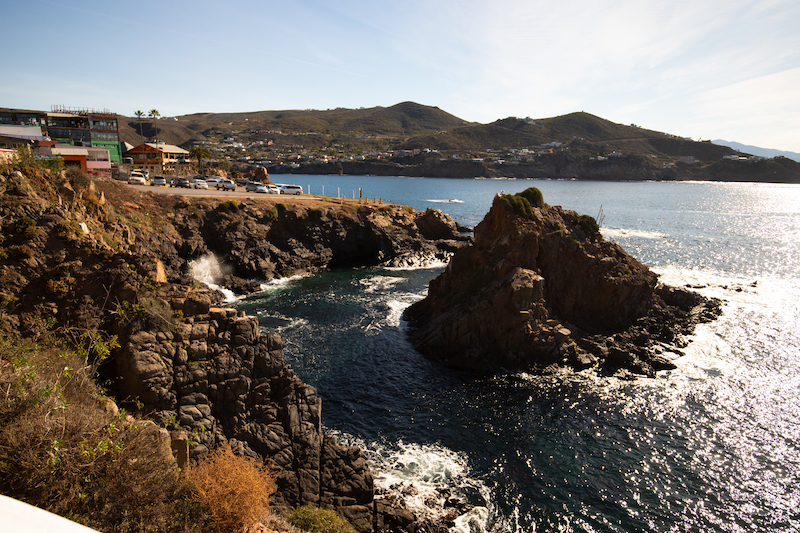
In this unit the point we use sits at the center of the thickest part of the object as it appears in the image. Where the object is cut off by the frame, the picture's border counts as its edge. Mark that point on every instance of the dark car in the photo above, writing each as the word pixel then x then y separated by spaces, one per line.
pixel 182 181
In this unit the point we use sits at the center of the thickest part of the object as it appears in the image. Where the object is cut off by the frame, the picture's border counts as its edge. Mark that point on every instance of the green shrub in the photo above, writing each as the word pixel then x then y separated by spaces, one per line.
pixel 148 314
pixel 316 520
pixel 271 213
pixel 519 205
pixel 21 251
pixel 26 226
pixel 589 224
pixel 534 196
pixel 229 207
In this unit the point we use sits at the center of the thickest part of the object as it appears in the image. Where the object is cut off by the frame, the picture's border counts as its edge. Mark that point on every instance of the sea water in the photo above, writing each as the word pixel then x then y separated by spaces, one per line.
pixel 713 445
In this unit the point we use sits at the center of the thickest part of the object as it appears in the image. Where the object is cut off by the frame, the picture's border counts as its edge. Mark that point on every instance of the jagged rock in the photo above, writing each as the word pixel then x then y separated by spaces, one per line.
pixel 183 359
pixel 542 287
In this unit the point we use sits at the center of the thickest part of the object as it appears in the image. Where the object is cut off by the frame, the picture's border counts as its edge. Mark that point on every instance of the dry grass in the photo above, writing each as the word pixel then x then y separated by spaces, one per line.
pixel 63 449
pixel 235 489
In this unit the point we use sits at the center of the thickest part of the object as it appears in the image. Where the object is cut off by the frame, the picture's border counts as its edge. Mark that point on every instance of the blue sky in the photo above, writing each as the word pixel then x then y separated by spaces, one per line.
pixel 703 69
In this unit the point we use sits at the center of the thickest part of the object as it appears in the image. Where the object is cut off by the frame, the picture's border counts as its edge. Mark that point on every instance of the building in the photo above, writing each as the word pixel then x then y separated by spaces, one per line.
pixel 160 158
pixel 91 159
pixel 87 128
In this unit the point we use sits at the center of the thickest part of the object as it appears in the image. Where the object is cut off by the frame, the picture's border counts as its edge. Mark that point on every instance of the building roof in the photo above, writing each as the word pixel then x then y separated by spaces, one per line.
pixel 160 147
pixel 171 148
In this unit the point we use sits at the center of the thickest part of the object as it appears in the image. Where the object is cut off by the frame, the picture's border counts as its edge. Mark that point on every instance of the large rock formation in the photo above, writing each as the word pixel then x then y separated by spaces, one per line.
pixel 541 286
pixel 100 258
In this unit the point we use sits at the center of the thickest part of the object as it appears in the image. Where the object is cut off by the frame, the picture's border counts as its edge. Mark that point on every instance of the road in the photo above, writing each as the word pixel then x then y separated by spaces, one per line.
pixel 238 193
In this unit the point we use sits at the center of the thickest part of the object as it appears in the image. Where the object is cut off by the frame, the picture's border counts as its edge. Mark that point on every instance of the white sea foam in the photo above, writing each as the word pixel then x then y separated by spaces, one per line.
pixel 422 474
pixel 376 284
pixel 208 270
pixel 278 282
pixel 616 233
pixel 419 263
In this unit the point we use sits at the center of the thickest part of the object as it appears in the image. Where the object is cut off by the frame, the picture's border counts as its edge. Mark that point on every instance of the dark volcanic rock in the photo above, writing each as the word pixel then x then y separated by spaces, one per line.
pixel 116 265
pixel 541 286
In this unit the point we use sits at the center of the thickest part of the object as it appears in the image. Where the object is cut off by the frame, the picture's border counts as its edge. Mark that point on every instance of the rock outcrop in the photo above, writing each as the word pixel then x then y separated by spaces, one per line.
pixel 540 286
pixel 95 258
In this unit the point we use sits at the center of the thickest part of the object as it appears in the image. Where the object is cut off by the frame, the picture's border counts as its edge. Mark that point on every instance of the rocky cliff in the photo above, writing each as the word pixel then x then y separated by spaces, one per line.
pixel 540 286
pixel 80 256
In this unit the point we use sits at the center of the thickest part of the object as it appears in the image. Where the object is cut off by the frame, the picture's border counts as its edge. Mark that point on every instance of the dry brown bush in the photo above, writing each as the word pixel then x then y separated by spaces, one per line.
pixel 64 450
pixel 235 489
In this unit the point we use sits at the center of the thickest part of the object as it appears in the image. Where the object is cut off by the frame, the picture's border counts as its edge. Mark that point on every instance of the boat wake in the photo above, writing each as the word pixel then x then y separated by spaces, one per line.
pixel 615 233
pixel 445 201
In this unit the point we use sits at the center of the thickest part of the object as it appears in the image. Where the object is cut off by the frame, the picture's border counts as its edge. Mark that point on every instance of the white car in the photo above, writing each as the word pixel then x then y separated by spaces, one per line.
pixel 136 179
pixel 272 189
pixel 226 185
pixel 199 184
pixel 291 189
pixel 211 181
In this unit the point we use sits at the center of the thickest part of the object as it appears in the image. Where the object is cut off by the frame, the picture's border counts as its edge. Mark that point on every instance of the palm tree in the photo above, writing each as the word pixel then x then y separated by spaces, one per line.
pixel 139 113
pixel 155 114
pixel 199 153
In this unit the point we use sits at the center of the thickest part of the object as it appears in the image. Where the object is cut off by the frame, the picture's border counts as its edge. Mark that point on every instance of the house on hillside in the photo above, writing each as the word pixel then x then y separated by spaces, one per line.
pixel 160 158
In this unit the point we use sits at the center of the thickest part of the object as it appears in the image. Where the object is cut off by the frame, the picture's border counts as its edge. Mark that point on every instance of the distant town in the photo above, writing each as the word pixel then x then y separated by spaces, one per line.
pixel 422 141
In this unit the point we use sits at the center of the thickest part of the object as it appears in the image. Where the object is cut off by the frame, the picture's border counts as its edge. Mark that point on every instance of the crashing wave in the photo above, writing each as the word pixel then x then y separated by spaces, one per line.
pixel 209 270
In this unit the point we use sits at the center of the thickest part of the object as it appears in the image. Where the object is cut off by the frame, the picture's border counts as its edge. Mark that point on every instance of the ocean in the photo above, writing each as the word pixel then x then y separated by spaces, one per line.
pixel 713 445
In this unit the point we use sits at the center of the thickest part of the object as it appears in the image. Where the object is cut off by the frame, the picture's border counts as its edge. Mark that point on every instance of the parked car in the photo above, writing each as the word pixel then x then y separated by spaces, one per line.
pixel 136 179
pixel 159 181
pixel 241 182
pixel 250 186
pixel 211 181
pixel 182 181
pixel 291 189
pixel 226 185
pixel 273 189
pixel 199 184
pixel 261 188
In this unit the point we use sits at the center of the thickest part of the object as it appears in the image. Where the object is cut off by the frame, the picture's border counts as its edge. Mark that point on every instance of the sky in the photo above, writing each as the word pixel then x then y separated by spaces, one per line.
pixel 704 69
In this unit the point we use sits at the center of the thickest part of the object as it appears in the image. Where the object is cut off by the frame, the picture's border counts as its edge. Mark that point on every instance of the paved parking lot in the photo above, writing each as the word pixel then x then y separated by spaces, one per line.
pixel 239 192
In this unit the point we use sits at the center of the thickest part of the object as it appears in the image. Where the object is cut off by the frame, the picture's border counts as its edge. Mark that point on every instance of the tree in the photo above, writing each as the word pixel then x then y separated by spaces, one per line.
pixel 139 113
pixel 155 114
pixel 199 153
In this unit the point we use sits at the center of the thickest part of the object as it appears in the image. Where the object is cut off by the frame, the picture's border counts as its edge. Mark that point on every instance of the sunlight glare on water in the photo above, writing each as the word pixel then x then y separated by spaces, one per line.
pixel 713 445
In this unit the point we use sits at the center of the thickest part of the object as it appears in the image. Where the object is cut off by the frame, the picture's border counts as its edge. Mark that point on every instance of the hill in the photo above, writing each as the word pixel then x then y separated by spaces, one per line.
pixel 399 121
pixel 414 139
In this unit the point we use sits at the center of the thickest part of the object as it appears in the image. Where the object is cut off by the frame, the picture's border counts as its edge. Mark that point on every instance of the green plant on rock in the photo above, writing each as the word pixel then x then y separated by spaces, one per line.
pixel 229 207
pixel 534 196
pixel 519 205
pixel 148 314
pixel 589 224
pixel 21 251
pixel 271 213
pixel 316 520
pixel 26 226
